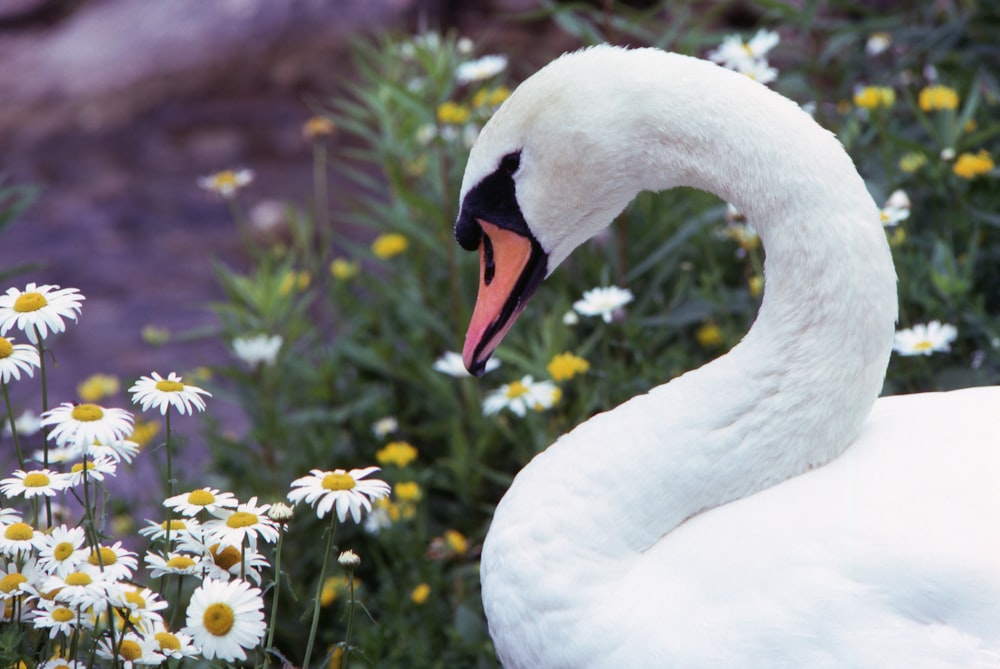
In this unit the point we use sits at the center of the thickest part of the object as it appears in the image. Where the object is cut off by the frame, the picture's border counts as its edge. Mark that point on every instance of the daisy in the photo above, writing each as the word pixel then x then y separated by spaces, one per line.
pixel 96 469
pixel 38 309
pixel 158 531
pixel 57 617
pixel 342 489
pixel 61 551
pixel 519 396
pixel 180 564
pixel 925 339
pixel 17 539
pixel 480 69
pixel 163 393
pixel 383 427
pixel 226 182
pixel 17 581
pixel 17 358
pixel 38 482
pixel 247 522
pixel 121 450
pixel 450 363
pixel 85 588
pixel 258 350
pixel 749 58
pixel 116 562
pixel 82 424
pixel 143 604
pixel 131 650
pixel 57 662
pixel 603 302
pixel 223 563
pixel 896 209
pixel 173 645
pixel 224 619
pixel 203 499
pixel 27 424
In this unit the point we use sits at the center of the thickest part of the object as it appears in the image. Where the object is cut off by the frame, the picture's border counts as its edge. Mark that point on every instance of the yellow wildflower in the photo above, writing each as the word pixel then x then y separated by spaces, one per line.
pixel 318 126
pixel 566 365
pixel 333 587
pixel 293 280
pixel 933 98
pixel 143 431
pixel 399 453
pixel 490 97
pixel 912 161
pixel 756 285
pixel 452 113
pixel 388 245
pixel 456 541
pixel 970 165
pixel 874 97
pixel 420 594
pixel 709 335
pixel 97 386
pixel 343 269
pixel 407 491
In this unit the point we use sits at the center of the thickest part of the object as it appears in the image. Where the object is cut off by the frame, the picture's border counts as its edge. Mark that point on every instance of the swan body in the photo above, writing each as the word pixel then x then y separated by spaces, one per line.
pixel 763 510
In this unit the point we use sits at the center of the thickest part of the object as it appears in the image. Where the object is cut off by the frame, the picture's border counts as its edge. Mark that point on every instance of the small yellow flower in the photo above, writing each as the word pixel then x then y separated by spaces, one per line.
pixel 933 98
pixel 408 491
pixel 343 269
pixel 565 366
pixel 490 97
pixel 399 453
pixel 755 285
pixel 226 182
pixel 897 235
pixel 144 431
pixel 420 594
pixel 97 386
pixel 874 97
pixel 388 245
pixel 970 165
pixel 709 335
pixel 317 127
pixel 456 541
pixel 452 113
pixel 333 587
pixel 912 161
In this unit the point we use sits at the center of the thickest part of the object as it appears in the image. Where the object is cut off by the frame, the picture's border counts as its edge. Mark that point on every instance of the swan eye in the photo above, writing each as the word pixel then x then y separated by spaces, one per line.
pixel 511 162
pixel 489 267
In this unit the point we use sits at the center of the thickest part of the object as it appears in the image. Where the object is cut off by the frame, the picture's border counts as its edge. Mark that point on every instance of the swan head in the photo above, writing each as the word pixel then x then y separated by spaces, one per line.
pixel 553 166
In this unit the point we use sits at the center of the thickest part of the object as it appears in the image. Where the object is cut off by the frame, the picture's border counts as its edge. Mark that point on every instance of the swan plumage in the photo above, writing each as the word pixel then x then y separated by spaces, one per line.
pixel 763 510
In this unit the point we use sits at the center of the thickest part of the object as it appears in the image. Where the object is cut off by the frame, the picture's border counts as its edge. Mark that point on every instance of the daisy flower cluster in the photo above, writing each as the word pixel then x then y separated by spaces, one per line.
pixel 748 57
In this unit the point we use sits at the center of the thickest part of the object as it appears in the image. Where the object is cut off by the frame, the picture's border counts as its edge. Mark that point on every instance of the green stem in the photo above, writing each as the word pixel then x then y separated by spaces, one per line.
pixel 277 591
pixel 13 426
pixel 319 588
pixel 45 408
pixel 346 660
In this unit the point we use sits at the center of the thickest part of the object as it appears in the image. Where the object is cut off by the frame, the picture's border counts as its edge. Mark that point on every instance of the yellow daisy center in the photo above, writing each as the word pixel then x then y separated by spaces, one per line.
pixel 6 348
pixel 18 532
pixel 29 302
pixel 79 578
pixel 338 481
pixel 923 346
pixel 218 619
pixel 225 558
pixel 130 650
pixel 225 179
pixel 241 519
pixel 175 524
pixel 61 614
pixel 87 412
pixel 80 466
pixel 134 597
pixel 11 582
pixel 515 390
pixel 36 480
pixel 63 550
pixel 201 498
pixel 167 641
pixel 168 386
pixel 107 557
pixel 180 562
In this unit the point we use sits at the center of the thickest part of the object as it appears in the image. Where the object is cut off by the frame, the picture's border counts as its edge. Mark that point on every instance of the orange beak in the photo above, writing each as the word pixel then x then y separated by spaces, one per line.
pixel 510 268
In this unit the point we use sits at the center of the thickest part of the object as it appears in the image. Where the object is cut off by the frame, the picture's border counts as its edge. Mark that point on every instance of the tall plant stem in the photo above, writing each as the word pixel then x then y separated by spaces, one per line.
pixel 13 425
pixel 319 589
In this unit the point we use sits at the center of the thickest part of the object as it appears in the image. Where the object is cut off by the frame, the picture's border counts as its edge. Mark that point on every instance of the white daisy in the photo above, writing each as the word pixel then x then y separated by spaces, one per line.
pixel 202 499
pixel 224 619
pixel 179 564
pixel 58 662
pixel 480 69
pixel 116 561
pixel 143 604
pixel 162 393
pixel 877 43
pixel 258 349
pixel 27 424
pixel 121 450
pixel 35 483
pixel 96 468
pixel 749 58
pixel 9 515
pixel 924 339
pixel 82 424
pixel 450 363
pixel 38 309
pixel 61 550
pixel 383 427
pixel 603 302
pixel 344 490
pixel 174 645
pixel 223 563
pixel 520 396
pixel 896 209
pixel 17 539
pixel 226 182
pixel 158 531
pixel 16 358
pixel 18 580
pixel 84 588
pixel 247 522
pixel 58 617
pixel 130 650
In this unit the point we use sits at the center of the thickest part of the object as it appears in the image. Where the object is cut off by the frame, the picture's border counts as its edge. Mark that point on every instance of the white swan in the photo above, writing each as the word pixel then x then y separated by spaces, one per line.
pixel 756 512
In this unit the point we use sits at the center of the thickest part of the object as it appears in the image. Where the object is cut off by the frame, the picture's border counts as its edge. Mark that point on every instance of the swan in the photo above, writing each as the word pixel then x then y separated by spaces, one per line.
pixel 764 510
